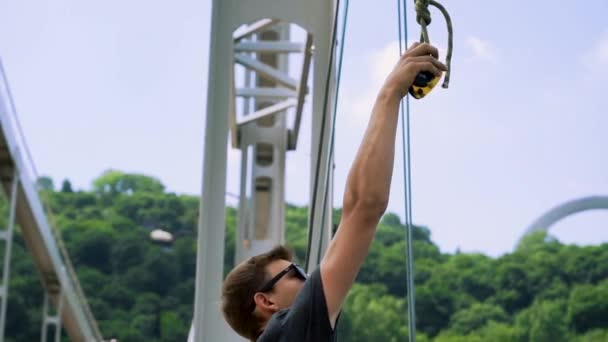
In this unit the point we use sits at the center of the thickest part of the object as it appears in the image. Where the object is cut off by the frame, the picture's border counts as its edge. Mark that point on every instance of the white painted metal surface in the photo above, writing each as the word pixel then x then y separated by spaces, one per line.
pixel 7 238
pixel 315 17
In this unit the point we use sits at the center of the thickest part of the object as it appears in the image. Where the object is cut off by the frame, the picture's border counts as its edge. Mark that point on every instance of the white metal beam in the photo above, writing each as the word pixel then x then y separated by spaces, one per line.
pixel 48 319
pixel 267 71
pixel 7 236
pixel 209 324
pixel 254 28
pixel 302 91
pixel 275 47
pixel 315 17
pixel 262 93
pixel 271 110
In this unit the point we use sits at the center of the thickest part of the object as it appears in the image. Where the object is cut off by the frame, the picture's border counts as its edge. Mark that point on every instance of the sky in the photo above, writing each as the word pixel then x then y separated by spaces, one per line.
pixel 522 128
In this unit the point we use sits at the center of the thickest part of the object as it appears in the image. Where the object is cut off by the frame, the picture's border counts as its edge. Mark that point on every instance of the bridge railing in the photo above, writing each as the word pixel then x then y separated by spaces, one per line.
pixel 28 177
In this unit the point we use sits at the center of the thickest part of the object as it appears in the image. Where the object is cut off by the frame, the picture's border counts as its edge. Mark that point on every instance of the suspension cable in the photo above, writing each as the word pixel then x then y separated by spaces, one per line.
pixel 333 129
pixel 405 134
pixel 423 17
pixel 311 219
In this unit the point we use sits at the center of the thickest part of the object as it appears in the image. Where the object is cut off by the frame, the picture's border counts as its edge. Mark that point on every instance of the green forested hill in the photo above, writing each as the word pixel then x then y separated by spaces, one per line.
pixel 142 291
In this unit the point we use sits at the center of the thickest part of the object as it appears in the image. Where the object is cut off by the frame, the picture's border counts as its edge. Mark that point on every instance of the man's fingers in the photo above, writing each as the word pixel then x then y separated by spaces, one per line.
pixel 427 66
pixel 439 65
pixel 420 58
pixel 423 49
pixel 428 59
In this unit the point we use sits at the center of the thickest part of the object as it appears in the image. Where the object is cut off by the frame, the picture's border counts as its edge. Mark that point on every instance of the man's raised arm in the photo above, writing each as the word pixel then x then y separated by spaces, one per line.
pixel 368 184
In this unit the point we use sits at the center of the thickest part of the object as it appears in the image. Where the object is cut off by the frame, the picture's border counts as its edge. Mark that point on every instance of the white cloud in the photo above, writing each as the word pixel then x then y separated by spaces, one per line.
pixel 598 55
pixel 602 52
pixel 381 63
pixel 361 99
pixel 384 60
pixel 482 50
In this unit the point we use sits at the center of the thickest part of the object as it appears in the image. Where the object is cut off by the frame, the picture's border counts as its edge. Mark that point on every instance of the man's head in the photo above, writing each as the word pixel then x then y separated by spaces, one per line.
pixel 257 288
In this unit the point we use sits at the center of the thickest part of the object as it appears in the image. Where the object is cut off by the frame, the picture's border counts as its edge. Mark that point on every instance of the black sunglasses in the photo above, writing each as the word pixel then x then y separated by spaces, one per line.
pixel 299 272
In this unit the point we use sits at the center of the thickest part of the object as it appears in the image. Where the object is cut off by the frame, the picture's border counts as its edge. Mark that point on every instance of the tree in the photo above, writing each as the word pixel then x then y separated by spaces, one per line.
pixel 66 186
pixel 492 331
pixel 92 245
pixel 117 295
pixel 588 307
pixel 370 314
pixel 587 264
pixel 499 332
pixel 512 286
pixel 547 322
pixel 476 316
pixel 162 271
pixel 172 328
pixel 45 183
pixel 474 276
pixel 151 210
pixel 128 252
pixel 596 335
pixel 139 291
pixel 113 182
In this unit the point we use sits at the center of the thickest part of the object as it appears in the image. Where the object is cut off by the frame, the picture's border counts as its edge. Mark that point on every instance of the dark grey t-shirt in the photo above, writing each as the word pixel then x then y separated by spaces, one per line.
pixel 306 320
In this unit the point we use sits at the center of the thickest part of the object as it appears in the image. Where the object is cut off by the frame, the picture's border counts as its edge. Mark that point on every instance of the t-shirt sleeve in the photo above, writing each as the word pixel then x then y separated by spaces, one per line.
pixel 308 317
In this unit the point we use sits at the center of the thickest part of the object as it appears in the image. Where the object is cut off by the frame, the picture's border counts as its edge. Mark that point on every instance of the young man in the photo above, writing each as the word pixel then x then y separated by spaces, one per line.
pixel 268 298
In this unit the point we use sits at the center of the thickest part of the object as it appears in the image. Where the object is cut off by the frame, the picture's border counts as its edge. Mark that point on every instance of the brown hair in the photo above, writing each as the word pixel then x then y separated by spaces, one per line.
pixel 240 286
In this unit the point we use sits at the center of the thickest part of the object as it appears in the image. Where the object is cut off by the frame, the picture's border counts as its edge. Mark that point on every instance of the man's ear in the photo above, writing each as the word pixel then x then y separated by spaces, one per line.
pixel 265 303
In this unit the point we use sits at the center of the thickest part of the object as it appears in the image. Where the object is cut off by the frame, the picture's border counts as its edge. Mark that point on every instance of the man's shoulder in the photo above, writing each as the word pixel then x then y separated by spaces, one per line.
pixel 275 325
pixel 305 320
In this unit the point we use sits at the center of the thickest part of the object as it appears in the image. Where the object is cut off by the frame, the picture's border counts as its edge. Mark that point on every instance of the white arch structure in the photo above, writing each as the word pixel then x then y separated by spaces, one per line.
pixel 564 210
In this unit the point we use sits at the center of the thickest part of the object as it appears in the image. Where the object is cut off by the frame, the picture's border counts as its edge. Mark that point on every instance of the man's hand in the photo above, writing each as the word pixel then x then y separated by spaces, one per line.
pixel 419 57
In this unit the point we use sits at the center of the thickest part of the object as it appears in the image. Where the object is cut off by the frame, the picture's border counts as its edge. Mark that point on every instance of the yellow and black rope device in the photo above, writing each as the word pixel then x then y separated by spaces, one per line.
pixel 423 84
pixel 426 81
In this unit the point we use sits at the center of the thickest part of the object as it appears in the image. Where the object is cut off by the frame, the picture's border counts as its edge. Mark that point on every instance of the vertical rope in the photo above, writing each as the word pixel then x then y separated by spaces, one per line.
pixel 405 129
pixel 322 134
pixel 333 126
pixel 423 17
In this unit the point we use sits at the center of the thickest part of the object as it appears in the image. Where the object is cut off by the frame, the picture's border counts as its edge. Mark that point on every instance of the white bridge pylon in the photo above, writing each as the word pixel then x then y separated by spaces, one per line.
pixel 252 103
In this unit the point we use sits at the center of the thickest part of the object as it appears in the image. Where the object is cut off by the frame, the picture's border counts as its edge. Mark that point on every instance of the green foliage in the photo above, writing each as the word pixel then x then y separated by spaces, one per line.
pixel 45 183
pixel 66 186
pixel 492 331
pixel 596 335
pixel 371 314
pixel 588 307
pixel 172 328
pixel 476 316
pixel 142 291
pixel 114 182
pixel 544 321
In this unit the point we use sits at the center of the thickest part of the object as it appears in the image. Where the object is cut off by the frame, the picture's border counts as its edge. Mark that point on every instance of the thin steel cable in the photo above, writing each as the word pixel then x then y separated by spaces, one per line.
pixel 333 126
pixel 405 130
pixel 322 135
